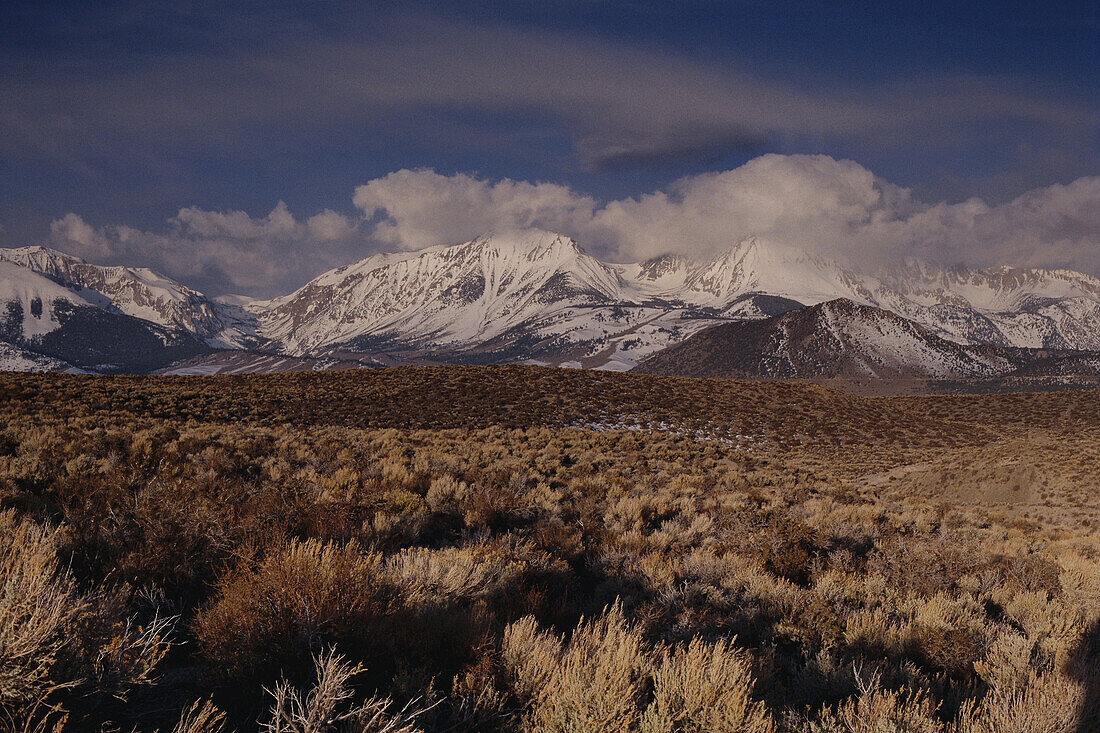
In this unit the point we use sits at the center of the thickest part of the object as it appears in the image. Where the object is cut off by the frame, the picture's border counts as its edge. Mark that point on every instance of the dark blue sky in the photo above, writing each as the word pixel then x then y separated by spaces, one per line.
pixel 126 112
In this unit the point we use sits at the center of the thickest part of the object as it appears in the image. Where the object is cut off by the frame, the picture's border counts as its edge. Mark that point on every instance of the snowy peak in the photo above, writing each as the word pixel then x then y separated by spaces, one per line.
pixel 534 295
pixel 756 266
pixel 539 287
pixel 48 323
pixel 537 258
pixel 995 289
pixel 137 292
pixel 665 269
pixel 731 273
pixel 29 302
pixel 460 294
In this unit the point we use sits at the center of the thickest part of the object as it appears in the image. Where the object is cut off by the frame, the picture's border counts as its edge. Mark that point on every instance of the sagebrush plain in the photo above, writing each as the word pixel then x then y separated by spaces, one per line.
pixel 528 549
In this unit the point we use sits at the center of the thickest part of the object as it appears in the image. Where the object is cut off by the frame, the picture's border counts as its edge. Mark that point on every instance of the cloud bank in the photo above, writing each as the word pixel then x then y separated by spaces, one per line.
pixel 826 207
pixel 221 252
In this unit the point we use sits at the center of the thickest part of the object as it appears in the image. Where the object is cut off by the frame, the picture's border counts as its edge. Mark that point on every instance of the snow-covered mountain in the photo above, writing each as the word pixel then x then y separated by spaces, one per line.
pixel 1029 308
pixel 536 296
pixel 837 338
pixel 47 324
pixel 141 293
pixel 443 297
pixel 16 359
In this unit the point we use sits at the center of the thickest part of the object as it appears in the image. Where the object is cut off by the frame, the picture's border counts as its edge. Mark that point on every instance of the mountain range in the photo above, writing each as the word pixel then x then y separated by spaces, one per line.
pixel 835 339
pixel 535 296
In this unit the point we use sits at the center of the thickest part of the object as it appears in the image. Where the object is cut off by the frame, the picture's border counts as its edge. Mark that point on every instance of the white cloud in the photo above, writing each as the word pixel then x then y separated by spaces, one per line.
pixel 82 239
pixel 330 226
pixel 806 201
pixel 222 251
pixel 237 224
pixel 813 202
pixel 421 208
pixel 828 207
pixel 1055 226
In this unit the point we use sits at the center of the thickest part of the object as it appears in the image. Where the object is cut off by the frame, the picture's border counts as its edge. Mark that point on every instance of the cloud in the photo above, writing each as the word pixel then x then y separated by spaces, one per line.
pixel 618 103
pixel 81 238
pixel 1054 226
pixel 222 251
pixel 417 209
pixel 811 203
pixel 817 204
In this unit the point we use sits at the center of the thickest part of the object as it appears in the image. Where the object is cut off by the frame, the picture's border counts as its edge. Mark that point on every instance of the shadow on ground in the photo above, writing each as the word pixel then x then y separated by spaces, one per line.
pixel 1085 664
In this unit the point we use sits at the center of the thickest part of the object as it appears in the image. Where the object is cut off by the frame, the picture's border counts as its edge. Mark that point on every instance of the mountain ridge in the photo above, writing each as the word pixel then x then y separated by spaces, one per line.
pixel 536 296
pixel 835 339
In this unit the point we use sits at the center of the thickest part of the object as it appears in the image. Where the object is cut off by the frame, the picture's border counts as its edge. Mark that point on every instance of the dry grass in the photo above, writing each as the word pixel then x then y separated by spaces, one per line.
pixel 38 606
pixel 274 615
pixel 846 564
pixel 330 706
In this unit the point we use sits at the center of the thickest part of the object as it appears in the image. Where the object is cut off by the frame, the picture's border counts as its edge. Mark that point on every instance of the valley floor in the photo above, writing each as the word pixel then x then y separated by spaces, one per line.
pixel 532 549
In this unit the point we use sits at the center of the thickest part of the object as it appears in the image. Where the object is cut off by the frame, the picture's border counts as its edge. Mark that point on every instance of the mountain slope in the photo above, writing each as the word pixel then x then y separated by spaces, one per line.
pixel 753 266
pixel 141 293
pixel 531 296
pixel 16 359
pixel 535 295
pixel 837 338
pixel 80 326
pixel 442 297
pixel 1026 308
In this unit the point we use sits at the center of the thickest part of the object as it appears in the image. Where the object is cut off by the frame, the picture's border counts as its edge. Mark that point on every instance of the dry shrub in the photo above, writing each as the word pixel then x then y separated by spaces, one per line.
pixel 788 548
pixel 446 492
pixel 704 688
pixel 476 701
pixel 1052 626
pixel 1007 661
pixel 531 657
pixel 428 577
pixel 1080 581
pixel 329 705
pixel 949 633
pixel 183 490
pixel 879 711
pixel 273 615
pixel 597 683
pixel 202 717
pixel 114 652
pixel 38 603
pixel 1047 703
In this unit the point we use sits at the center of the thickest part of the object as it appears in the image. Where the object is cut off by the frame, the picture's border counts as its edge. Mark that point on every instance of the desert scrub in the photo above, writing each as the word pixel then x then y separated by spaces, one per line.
pixel 607 677
pixel 38 606
pixel 465 557
pixel 272 615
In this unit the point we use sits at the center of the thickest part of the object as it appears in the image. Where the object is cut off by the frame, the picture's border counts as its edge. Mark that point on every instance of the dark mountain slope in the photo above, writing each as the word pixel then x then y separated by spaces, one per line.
pixel 838 338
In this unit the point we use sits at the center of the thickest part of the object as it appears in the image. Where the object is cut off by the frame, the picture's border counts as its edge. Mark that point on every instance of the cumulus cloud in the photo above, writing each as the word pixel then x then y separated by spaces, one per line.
pixel 1054 226
pixel 816 204
pixel 222 251
pixel 417 209
pixel 828 207
pixel 80 237
pixel 805 201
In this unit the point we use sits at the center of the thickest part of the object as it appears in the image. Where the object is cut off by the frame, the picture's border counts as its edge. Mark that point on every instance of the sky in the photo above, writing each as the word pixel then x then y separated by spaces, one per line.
pixel 245 147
